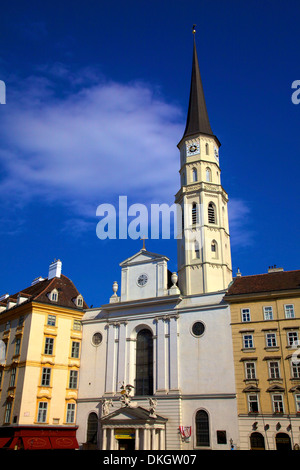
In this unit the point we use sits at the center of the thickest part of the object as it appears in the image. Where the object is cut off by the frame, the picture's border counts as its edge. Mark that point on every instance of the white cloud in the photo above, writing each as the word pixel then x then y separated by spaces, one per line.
pixel 80 141
pixel 96 143
pixel 239 223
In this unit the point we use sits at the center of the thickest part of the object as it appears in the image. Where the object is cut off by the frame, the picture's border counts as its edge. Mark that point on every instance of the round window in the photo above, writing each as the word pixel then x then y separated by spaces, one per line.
pixel 97 339
pixel 198 328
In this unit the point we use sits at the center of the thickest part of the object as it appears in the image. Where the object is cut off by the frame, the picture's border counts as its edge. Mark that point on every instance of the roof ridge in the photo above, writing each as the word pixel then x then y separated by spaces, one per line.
pixel 266 274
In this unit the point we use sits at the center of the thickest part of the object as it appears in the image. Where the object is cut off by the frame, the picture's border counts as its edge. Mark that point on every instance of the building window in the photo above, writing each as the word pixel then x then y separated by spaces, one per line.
pixel 17 346
pixel 198 328
pixel 77 325
pixel 257 441
pixel 1 375
pixel 297 401
pixel 212 213
pixel 274 371
pixel 295 366
pixel 248 341
pixel 75 349
pixel 202 429
pixel 51 321
pixel 7 412
pixel 206 149
pixel 214 249
pixel 277 403
pixel 292 338
pixel 21 320
pixel 268 313
pixel 194 175
pixel 271 341
pixel 70 418
pixel 194 213
pixel 49 342
pixel 196 250
pixel 42 412
pixel 92 428
pixel 46 375
pixel 7 325
pixel 73 379
pixel 54 295
pixel 250 370
pixel 208 175
pixel 253 403
pixel 289 311
pixel 79 301
pixel 13 374
pixel 245 313
pixel 144 363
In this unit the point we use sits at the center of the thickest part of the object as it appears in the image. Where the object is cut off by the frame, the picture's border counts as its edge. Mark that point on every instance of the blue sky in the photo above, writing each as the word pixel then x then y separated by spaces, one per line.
pixel 96 102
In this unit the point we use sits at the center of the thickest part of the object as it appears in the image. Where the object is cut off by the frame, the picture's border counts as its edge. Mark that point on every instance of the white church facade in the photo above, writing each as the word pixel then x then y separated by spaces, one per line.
pixel 157 367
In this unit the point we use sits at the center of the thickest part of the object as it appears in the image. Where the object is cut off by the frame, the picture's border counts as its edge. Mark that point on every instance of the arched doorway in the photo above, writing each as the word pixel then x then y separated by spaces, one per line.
pixel 283 441
pixel 257 441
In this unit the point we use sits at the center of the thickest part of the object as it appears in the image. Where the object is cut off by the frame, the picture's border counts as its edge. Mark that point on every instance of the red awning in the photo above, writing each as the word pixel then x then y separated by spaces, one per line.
pixel 64 442
pixel 3 441
pixel 36 443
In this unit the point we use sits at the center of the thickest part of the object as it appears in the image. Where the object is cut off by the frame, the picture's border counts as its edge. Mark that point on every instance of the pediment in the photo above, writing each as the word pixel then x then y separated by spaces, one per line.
pixel 275 388
pixel 131 414
pixel 143 256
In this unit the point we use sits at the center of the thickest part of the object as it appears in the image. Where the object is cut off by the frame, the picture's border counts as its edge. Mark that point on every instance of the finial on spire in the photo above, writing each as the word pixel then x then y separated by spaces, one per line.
pixel 144 238
pixel 194 30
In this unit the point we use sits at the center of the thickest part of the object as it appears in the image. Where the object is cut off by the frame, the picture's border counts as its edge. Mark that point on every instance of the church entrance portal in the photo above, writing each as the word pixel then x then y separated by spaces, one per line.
pixel 126 444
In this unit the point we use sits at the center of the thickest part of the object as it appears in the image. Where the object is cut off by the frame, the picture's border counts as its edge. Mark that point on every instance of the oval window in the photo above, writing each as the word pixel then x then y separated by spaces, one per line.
pixel 97 339
pixel 198 328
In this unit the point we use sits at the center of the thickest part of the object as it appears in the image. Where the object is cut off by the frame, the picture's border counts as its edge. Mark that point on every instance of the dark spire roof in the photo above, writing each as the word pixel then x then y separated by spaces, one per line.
pixel 197 119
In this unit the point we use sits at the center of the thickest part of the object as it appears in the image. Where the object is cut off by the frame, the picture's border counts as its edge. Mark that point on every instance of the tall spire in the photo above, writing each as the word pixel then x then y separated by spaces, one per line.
pixel 197 119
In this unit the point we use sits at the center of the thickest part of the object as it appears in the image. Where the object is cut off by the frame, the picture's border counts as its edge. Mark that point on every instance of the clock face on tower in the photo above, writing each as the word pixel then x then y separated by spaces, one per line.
pixel 142 280
pixel 193 148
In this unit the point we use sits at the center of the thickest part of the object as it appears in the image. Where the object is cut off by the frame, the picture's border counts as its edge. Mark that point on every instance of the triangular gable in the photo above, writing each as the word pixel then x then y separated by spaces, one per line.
pixel 143 256
pixel 128 413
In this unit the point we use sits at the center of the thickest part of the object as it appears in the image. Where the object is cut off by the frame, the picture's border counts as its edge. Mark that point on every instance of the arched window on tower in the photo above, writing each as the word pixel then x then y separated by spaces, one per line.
pixel 208 175
pixel 194 214
pixel 212 218
pixel 202 429
pixel 214 249
pixel 196 250
pixel 194 175
pixel 206 149
pixel 144 363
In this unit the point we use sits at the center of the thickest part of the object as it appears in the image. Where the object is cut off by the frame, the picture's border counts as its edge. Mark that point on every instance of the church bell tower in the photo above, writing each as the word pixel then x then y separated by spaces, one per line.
pixel 203 246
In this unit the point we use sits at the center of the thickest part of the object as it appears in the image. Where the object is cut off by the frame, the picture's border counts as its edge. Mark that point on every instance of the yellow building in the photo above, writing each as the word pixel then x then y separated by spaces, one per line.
pixel 40 344
pixel 265 315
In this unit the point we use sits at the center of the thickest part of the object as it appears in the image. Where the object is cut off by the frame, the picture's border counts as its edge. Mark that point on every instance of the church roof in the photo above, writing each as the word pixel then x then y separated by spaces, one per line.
pixel 197 118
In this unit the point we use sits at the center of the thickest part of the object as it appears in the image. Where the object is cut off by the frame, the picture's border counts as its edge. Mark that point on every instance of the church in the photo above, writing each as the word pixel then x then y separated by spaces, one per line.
pixel 157 369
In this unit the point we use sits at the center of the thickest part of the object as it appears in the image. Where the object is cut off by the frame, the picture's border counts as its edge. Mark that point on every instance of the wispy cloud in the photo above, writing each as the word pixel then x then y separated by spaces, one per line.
pixel 239 223
pixel 76 139
pixel 88 145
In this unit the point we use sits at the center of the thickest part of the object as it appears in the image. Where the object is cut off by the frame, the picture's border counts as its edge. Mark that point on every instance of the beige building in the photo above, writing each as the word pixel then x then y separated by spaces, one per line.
pixel 40 345
pixel 265 316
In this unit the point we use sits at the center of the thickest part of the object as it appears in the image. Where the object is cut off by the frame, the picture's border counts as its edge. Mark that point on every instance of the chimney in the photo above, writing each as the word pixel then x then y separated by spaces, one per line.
pixel 238 274
pixel 55 269
pixel 274 269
